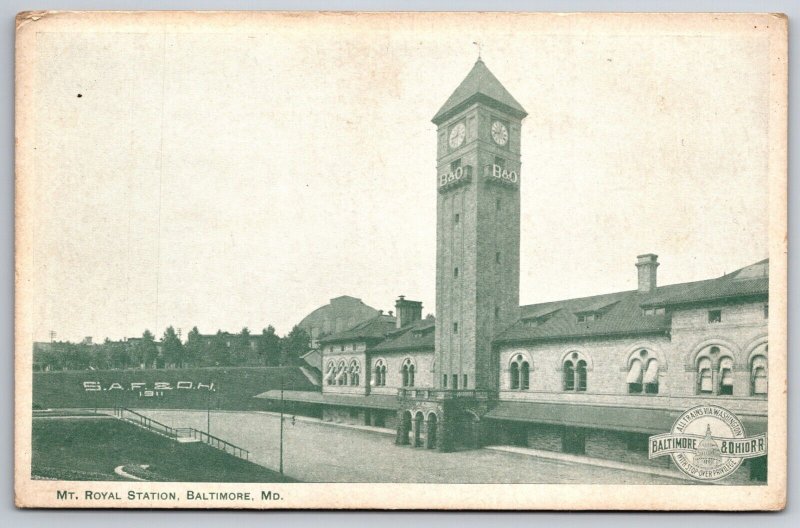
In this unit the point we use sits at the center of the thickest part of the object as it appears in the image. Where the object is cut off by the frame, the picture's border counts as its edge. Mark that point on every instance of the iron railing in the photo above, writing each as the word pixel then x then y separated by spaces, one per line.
pixel 444 394
pixel 123 413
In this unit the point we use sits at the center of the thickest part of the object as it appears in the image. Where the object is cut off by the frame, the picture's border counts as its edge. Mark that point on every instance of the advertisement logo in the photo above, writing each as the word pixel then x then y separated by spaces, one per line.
pixel 708 443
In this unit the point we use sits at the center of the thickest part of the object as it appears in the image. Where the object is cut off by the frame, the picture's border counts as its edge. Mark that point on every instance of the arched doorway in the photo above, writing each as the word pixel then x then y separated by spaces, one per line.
pixel 418 420
pixel 430 439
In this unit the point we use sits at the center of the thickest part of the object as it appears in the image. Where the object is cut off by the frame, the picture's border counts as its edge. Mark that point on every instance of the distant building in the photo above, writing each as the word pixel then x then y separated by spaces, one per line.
pixel 340 314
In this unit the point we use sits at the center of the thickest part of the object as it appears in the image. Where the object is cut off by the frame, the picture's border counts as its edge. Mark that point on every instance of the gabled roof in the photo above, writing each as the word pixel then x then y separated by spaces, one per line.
pixel 371 329
pixel 480 85
pixel 420 335
pixel 622 313
pixel 749 281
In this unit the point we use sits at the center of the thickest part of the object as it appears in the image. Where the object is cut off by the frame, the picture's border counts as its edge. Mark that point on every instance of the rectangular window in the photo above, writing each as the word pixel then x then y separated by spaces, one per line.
pixel 715 316
pixel 455 164
pixel 634 388
pixel 651 388
pixel 497 258
pixel 457 218
pixel 444 381
pixel 342 348
pixel 455 381
pixel 497 204
pixel 497 312
pixel 455 272
pixel 455 328
pixel 500 162
pixel 766 311
pixel 464 381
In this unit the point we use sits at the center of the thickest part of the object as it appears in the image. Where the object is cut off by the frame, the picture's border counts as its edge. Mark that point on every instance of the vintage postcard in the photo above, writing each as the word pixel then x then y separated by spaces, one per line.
pixel 401 260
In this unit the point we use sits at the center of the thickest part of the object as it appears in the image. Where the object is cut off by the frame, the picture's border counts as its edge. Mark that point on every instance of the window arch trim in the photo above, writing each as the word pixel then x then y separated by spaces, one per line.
pixel 582 355
pixel 725 346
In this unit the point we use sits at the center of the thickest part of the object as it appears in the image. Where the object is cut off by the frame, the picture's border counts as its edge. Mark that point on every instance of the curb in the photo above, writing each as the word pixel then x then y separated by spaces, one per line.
pixel 589 461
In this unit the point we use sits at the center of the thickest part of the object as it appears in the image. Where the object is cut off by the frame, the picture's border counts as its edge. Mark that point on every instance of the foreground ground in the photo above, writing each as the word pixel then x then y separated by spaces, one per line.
pixel 84 447
pixel 317 452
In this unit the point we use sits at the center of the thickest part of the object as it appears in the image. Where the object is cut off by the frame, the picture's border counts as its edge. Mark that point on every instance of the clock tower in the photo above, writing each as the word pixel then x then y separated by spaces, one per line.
pixel 478 228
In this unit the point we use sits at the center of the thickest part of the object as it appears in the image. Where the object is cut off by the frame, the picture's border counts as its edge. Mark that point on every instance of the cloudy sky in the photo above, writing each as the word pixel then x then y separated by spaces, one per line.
pixel 243 172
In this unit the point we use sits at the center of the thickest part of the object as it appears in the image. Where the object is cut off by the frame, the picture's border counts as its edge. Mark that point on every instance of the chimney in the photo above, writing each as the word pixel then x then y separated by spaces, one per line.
pixel 646 266
pixel 407 311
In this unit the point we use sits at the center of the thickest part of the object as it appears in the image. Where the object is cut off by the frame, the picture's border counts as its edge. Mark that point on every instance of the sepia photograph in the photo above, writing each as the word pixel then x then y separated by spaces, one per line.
pixel 401 260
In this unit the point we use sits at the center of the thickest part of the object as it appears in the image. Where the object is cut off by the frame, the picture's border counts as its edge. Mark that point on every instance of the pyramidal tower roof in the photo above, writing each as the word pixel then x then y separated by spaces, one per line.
pixel 480 85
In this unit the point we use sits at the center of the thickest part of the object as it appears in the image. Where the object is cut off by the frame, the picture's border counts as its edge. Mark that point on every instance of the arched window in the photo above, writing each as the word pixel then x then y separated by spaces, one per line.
pixel 519 373
pixel 580 375
pixel 569 376
pixel 330 372
pixel 514 373
pixel 642 372
pixel 634 379
pixel 575 369
pixel 524 376
pixel 341 374
pixel 355 373
pixel 380 373
pixel 650 378
pixel 705 384
pixel 758 376
pixel 407 371
pixel 726 376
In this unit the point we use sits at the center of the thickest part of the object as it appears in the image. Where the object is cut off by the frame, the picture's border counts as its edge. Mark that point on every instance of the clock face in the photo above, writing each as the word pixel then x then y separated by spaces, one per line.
pixel 457 134
pixel 499 133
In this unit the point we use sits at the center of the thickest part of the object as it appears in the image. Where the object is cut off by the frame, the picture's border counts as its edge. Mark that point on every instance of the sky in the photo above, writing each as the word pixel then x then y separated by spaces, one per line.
pixel 242 174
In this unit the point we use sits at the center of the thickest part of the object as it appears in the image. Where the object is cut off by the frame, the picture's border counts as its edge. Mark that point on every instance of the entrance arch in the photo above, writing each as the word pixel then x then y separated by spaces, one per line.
pixel 418 420
pixel 430 439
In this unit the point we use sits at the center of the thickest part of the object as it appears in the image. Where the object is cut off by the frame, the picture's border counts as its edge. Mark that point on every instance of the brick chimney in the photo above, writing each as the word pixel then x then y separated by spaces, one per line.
pixel 647 265
pixel 407 311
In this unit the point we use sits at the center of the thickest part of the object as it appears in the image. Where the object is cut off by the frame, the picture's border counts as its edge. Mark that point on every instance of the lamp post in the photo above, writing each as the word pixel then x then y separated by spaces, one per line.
pixel 281 437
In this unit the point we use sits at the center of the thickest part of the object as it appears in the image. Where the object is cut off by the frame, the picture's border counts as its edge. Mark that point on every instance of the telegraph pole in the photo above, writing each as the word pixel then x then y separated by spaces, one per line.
pixel 208 414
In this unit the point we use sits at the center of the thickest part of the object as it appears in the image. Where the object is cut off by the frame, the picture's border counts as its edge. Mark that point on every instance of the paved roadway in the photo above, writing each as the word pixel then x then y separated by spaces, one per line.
pixel 315 452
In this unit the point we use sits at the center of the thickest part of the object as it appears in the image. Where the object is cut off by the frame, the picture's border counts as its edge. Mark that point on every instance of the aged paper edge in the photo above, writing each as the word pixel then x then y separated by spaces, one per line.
pixel 41 494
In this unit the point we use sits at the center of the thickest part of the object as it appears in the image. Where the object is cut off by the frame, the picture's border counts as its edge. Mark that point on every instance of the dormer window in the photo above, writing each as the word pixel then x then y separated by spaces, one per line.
pixel 715 316
pixel 585 318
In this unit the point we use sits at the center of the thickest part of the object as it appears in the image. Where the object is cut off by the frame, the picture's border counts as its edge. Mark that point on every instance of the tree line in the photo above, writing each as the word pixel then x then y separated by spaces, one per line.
pixel 218 350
